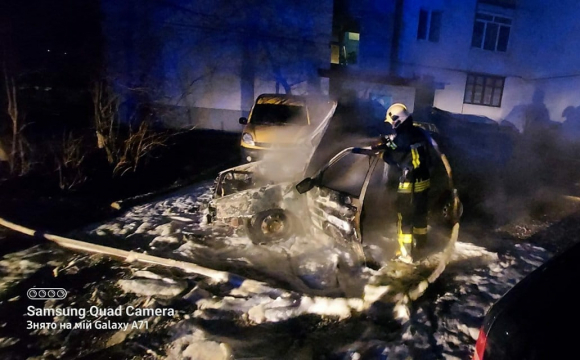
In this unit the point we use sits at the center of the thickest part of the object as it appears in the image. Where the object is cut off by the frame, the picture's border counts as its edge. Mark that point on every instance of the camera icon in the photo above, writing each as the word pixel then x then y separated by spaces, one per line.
pixel 46 293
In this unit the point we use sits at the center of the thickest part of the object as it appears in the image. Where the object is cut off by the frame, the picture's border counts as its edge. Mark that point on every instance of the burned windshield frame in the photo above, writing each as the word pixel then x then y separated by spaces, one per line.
pixel 349 177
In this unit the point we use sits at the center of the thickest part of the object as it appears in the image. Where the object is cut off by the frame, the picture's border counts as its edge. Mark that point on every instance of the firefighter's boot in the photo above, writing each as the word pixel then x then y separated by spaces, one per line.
pixel 405 253
pixel 419 239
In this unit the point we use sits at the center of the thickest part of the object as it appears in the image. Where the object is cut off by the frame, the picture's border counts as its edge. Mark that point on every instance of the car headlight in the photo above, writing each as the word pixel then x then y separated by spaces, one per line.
pixel 247 138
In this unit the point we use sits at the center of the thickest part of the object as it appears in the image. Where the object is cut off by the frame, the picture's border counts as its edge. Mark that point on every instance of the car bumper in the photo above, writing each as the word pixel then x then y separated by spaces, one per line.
pixel 257 154
pixel 250 155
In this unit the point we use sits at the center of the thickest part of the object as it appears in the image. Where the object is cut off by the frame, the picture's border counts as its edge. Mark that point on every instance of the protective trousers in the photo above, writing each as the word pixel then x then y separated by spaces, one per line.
pixel 412 204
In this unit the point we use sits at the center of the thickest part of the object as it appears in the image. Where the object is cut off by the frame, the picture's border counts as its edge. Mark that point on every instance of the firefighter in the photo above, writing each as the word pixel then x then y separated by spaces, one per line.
pixel 407 151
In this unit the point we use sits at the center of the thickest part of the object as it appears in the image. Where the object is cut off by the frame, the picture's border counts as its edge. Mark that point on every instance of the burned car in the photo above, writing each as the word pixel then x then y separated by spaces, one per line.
pixel 258 198
pixel 346 199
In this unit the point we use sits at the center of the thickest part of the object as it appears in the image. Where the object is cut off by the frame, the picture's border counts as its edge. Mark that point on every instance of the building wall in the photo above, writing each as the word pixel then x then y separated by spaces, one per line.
pixel 451 51
pixel 376 19
pixel 560 94
pixel 550 44
pixel 517 92
pixel 382 93
pixel 216 54
pixel 220 55
pixel 542 59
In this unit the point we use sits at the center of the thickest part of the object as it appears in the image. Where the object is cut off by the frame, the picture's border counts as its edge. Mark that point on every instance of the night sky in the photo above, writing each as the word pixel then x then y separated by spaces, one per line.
pixel 53 50
pixel 53 42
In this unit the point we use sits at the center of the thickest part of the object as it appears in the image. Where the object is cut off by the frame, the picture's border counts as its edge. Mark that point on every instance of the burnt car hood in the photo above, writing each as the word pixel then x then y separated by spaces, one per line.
pixel 245 190
pixel 249 202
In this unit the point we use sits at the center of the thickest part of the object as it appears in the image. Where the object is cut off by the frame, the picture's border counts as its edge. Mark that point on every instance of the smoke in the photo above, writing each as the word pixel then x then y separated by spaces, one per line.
pixel 504 175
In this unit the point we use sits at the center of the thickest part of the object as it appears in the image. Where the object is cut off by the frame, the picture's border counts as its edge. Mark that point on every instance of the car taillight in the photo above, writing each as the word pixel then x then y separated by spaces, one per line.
pixel 480 345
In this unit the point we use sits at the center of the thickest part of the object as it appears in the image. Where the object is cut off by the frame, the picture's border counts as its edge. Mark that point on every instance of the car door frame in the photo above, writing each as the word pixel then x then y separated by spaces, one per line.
pixel 357 202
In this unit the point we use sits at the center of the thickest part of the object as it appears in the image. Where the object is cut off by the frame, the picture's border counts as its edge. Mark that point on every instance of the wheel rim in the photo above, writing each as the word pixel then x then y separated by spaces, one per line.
pixel 274 225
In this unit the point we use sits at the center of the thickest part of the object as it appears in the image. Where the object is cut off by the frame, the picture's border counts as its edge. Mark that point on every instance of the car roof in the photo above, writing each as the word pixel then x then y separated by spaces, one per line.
pixel 539 285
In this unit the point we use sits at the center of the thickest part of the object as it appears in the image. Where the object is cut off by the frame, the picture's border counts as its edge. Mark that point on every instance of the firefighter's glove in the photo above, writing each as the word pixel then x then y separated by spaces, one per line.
pixel 389 142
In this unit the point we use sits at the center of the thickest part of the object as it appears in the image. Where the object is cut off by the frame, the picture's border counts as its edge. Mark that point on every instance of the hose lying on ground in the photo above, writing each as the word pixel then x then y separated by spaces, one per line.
pixel 130 256
pixel 297 303
pixel 318 305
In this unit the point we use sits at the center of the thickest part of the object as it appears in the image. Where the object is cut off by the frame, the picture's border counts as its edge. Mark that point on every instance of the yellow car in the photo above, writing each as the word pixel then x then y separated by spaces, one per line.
pixel 279 122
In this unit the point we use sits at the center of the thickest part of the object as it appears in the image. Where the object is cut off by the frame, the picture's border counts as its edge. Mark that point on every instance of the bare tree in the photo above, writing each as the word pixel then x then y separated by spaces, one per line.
pixel 3 154
pixel 70 157
pixel 105 115
pixel 18 158
pixel 127 147
pixel 18 155
pixel 138 144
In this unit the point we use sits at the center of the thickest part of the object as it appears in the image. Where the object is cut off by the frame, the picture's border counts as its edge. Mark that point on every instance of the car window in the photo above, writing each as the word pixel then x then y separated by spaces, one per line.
pixel 347 174
pixel 278 114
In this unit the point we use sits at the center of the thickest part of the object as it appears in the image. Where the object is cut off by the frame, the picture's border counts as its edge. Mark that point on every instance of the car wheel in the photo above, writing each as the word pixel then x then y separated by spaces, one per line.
pixel 271 226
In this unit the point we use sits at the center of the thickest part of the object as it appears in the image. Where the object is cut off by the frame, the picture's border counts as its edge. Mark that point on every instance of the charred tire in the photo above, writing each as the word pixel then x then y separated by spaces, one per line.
pixel 271 226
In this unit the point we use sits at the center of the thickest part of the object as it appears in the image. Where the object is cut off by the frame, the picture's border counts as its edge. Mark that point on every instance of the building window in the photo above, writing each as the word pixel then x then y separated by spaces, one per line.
pixel 491 32
pixel 350 47
pixel 346 51
pixel 335 53
pixel 483 90
pixel 429 25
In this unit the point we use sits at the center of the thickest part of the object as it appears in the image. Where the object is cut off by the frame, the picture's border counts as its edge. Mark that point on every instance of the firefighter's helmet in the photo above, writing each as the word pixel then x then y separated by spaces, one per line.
pixel 397 114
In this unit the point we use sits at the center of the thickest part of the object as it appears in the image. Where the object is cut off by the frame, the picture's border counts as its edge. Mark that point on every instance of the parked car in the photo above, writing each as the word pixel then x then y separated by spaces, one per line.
pixel 473 138
pixel 345 199
pixel 538 318
pixel 280 122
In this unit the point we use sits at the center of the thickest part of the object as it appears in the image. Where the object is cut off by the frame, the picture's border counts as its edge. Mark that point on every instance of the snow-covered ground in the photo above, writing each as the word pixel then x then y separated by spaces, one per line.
pixel 314 313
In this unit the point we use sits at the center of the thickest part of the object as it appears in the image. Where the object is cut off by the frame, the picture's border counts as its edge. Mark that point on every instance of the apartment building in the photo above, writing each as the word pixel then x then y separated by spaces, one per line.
pixel 502 59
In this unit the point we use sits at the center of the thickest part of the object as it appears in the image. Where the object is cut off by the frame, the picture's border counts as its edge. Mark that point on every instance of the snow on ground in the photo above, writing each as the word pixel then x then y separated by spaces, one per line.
pixel 17 266
pixel 222 321
pixel 176 227
pixel 447 320
pixel 444 322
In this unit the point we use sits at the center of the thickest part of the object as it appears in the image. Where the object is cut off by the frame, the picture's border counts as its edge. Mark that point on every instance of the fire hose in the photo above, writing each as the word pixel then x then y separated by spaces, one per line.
pixel 319 305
